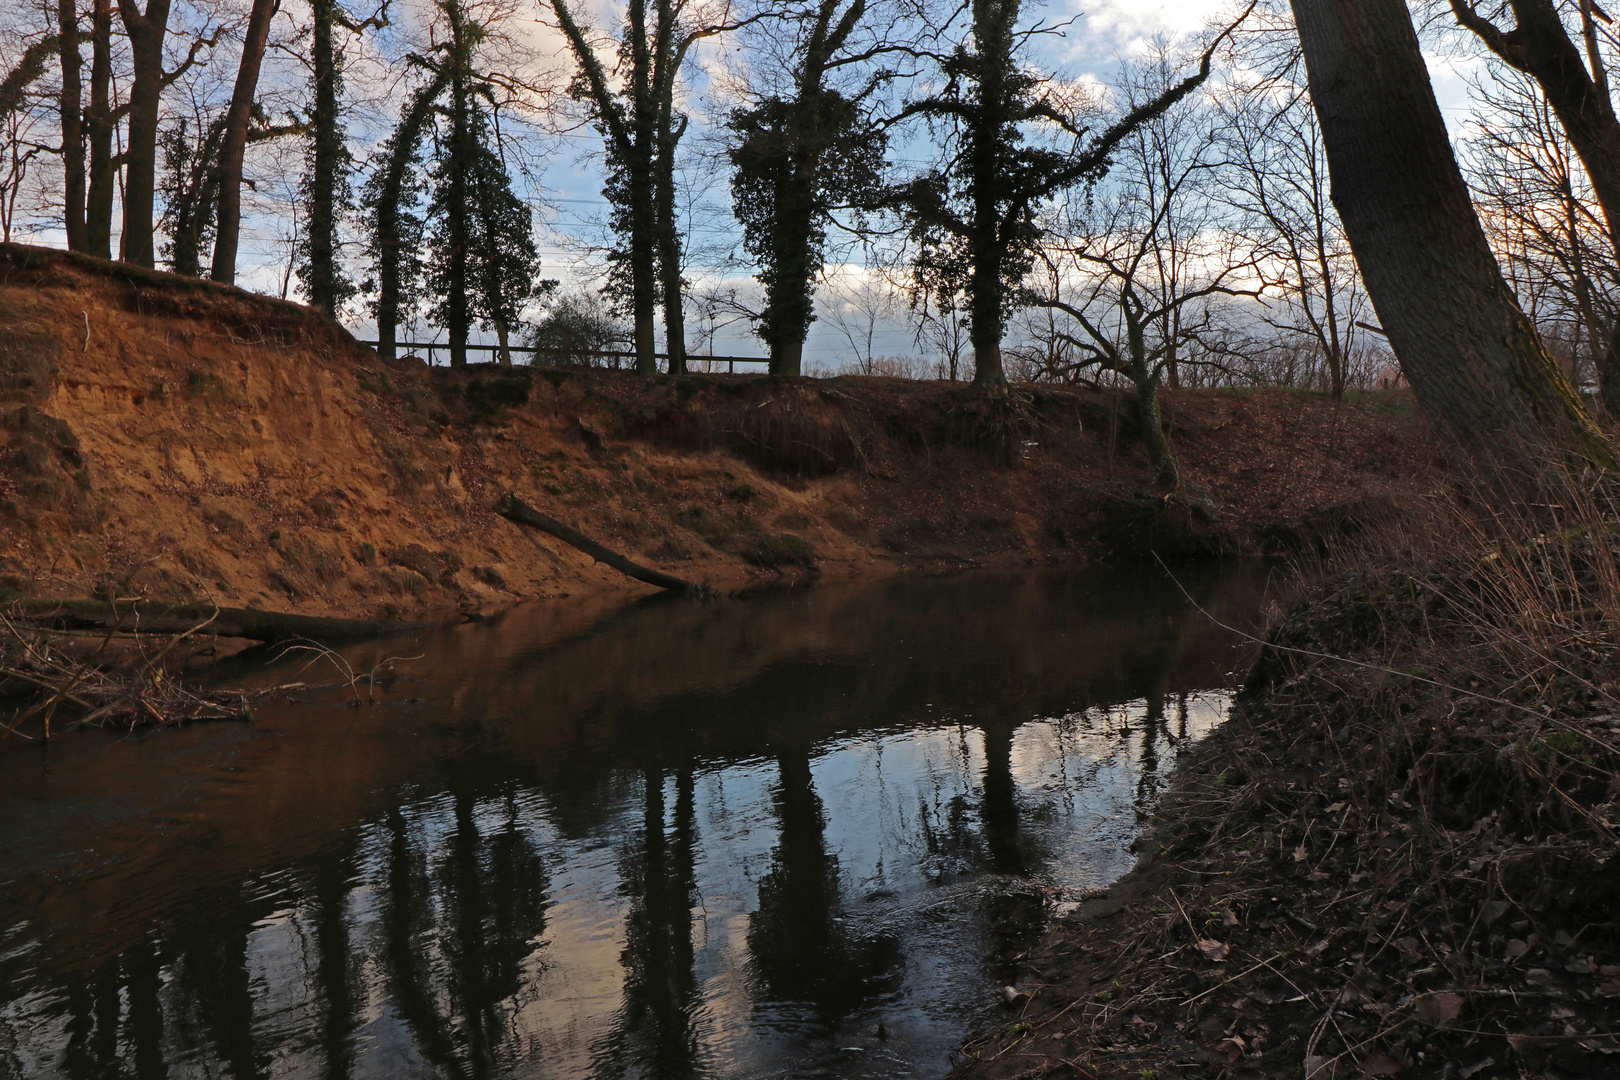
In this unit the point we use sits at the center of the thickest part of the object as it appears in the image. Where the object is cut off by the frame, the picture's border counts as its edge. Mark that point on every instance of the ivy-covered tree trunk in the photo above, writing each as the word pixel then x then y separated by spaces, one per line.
pixel 640 214
pixel 789 299
pixel 987 134
pixel 453 206
pixel 1478 366
pixel 191 193
pixel 669 257
pixel 793 159
pixel 323 282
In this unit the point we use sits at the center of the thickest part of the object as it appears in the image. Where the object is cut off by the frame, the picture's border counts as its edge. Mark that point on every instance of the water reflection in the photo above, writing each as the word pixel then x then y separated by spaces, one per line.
pixel 661 840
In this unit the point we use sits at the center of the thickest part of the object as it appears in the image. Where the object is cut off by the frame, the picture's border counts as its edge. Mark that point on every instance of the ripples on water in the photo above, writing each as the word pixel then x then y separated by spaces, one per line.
pixel 660 840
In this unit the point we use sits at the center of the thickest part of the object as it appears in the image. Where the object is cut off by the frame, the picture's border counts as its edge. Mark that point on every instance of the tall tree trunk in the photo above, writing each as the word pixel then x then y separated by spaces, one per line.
pixel 71 110
pixel 99 122
pixel 643 261
pixel 787 293
pixel 993 22
pixel 146 33
pixel 669 257
pixel 402 153
pixel 1166 471
pixel 458 312
pixel 1481 372
pixel 234 144
pixel 328 159
pixel 643 214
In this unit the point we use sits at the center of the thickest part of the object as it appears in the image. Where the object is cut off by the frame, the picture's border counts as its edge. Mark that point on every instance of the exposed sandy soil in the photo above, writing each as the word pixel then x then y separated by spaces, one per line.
pixel 180 440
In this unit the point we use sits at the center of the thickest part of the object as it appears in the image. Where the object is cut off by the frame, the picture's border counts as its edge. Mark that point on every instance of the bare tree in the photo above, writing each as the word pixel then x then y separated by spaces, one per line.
pixel 1541 215
pixel 1278 183
pixel 1141 265
pixel 858 302
pixel 1575 83
pixel 148 31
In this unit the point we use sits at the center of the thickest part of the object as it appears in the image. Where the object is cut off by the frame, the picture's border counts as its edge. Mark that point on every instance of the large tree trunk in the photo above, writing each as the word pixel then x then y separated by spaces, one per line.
pixel 993 22
pixel 99 121
pixel 234 143
pixel 669 258
pixel 1479 369
pixel 146 33
pixel 458 312
pixel 327 160
pixel 71 110
pixel 788 301
pixel 643 256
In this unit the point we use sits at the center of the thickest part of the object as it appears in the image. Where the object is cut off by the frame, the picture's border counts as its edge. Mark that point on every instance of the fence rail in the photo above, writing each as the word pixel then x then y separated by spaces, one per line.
pixel 614 355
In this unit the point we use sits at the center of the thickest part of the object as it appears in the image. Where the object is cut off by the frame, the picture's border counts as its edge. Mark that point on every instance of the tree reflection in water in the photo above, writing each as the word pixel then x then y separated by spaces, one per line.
pixel 654 1033
pixel 800 947
pixel 504 879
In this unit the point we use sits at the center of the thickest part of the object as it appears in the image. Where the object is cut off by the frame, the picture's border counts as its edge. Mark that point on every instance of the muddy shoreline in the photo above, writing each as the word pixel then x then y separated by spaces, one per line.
pixel 1364 872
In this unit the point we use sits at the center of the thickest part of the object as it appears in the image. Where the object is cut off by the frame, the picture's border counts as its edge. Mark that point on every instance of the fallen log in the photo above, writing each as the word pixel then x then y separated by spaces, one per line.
pixel 149 617
pixel 515 509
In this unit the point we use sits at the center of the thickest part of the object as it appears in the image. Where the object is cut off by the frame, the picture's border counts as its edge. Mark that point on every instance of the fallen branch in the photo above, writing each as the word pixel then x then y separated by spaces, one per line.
pixel 515 509
pixel 148 617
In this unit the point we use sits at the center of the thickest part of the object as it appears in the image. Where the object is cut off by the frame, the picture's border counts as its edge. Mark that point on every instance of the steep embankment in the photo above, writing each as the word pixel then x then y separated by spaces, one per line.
pixel 182 440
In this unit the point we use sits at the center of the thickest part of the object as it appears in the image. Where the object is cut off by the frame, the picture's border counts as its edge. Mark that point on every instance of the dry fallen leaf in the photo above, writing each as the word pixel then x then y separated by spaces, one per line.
pixel 1438 1009
pixel 1515 949
pixel 1381 1064
pixel 1318 1068
pixel 1233 1047
pixel 1213 950
pixel 1300 853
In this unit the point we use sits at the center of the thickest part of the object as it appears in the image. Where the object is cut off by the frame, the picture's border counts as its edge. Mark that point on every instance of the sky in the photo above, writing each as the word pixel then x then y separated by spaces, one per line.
pixel 563 175
pixel 1104 32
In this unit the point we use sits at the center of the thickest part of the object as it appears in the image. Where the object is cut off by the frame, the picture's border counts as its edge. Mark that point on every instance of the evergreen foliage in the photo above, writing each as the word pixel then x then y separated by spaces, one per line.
pixel 481 249
pixel 189 188
pixel 794 161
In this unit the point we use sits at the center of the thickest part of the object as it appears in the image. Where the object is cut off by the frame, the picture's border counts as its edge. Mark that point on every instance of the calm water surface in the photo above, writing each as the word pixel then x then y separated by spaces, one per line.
pixel 661 840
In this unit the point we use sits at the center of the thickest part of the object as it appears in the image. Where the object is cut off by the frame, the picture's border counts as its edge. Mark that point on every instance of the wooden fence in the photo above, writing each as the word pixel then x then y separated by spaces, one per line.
pixel 616 357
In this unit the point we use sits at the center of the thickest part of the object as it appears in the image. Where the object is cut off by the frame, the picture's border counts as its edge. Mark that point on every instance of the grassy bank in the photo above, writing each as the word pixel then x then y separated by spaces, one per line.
pixel 1399 857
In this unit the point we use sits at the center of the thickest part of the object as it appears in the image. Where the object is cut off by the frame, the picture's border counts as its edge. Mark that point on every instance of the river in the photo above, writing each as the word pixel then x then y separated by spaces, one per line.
pixel 798 833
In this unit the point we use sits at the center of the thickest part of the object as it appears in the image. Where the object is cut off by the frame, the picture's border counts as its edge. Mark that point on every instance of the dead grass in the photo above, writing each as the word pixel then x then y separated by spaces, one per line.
pixel 1402 854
